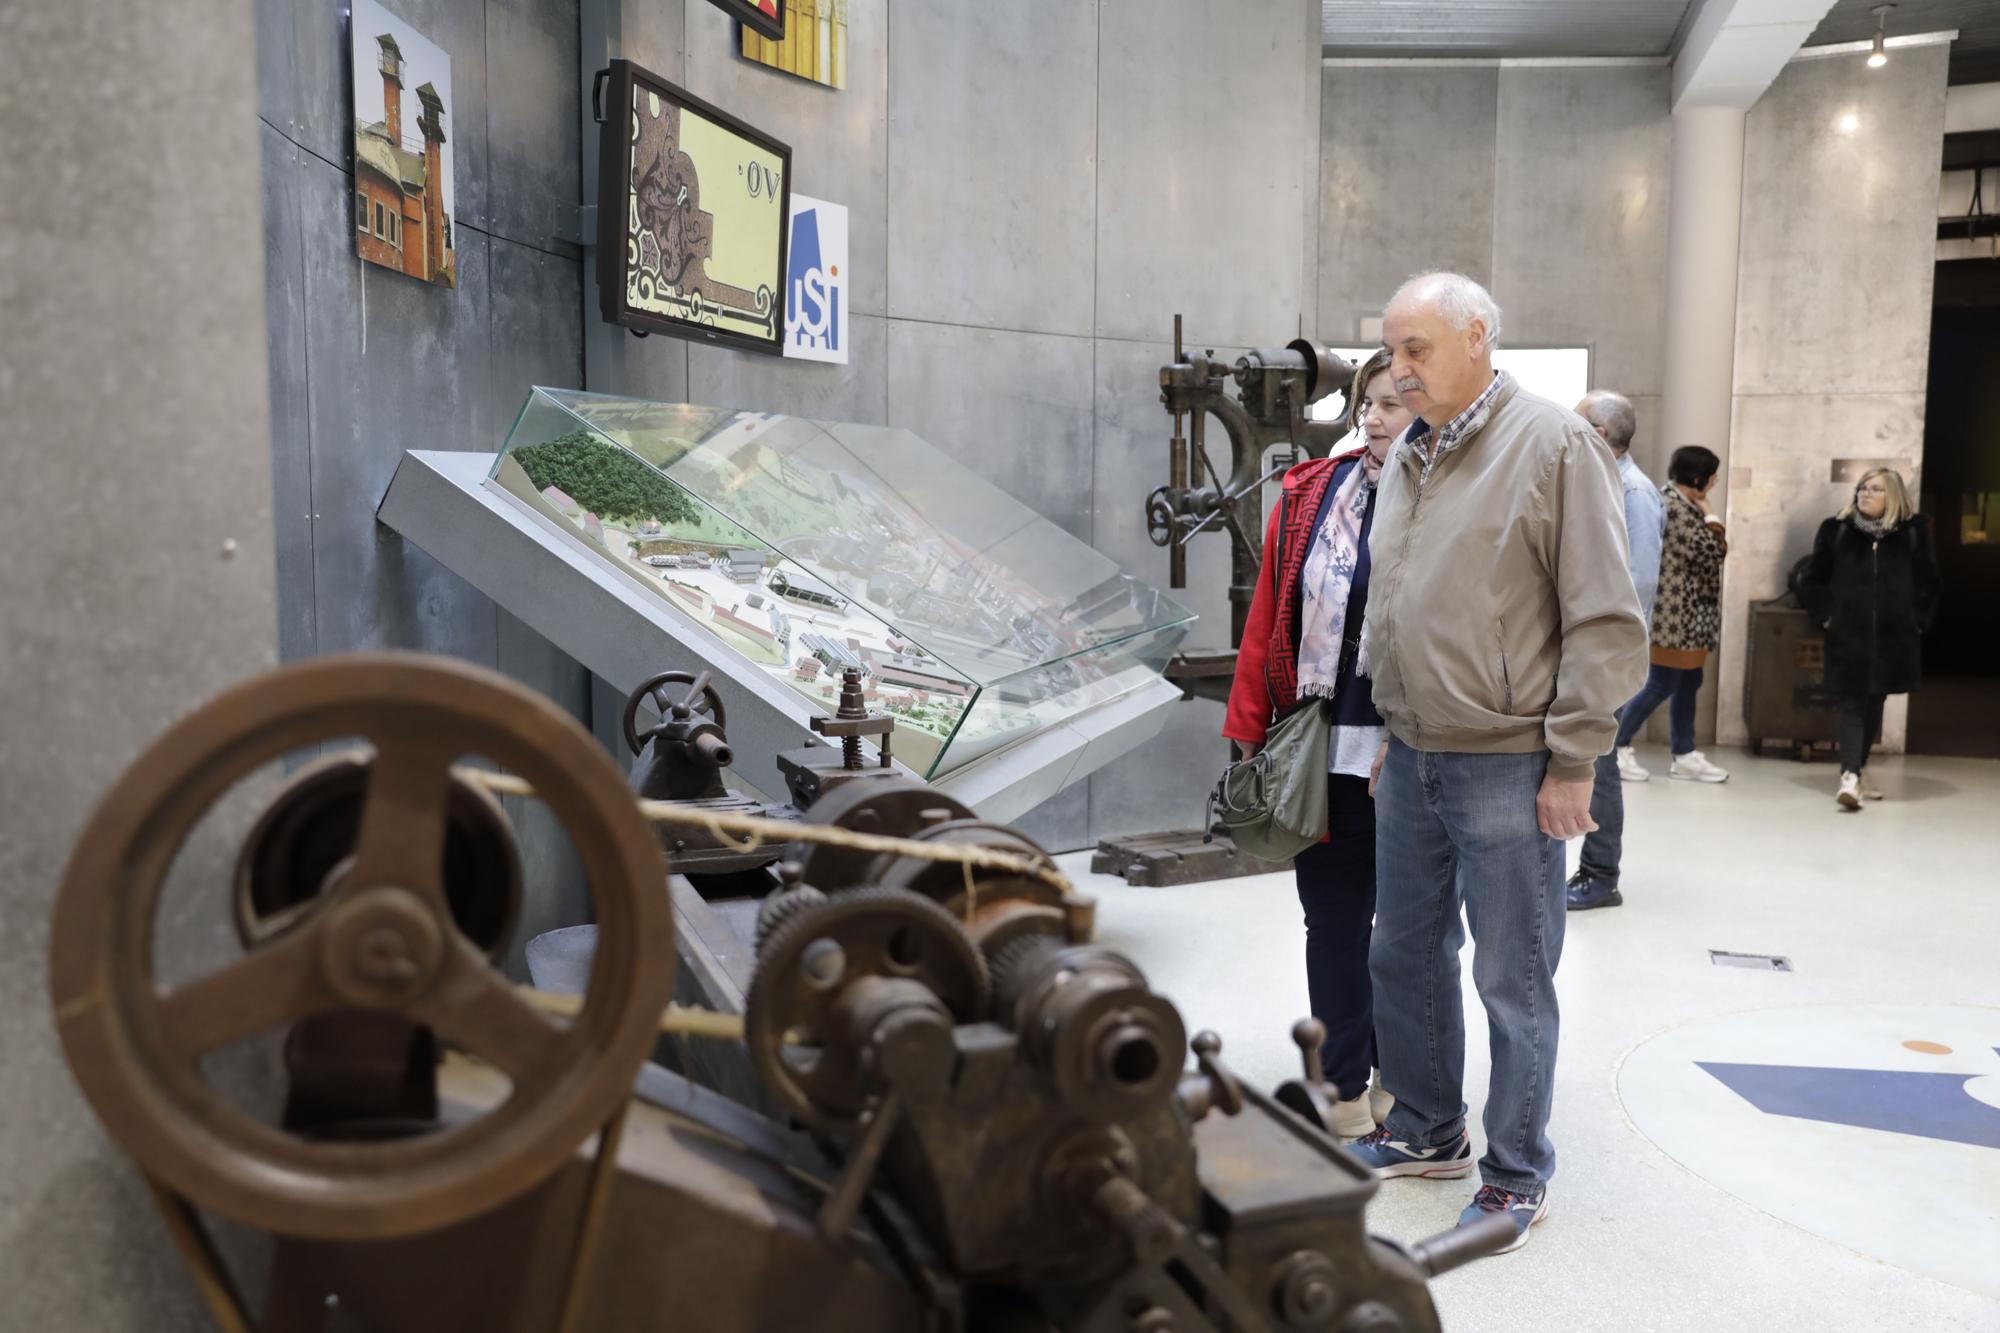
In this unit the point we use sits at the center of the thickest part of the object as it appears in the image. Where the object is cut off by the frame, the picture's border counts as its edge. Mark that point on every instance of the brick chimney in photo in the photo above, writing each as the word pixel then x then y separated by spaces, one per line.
pixel 431 122
pixel 392 88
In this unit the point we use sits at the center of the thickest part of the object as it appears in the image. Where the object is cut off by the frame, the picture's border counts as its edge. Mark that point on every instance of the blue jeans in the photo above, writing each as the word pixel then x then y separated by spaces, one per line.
pixel 1663 683
pixel 1604 848
pixel 1452 830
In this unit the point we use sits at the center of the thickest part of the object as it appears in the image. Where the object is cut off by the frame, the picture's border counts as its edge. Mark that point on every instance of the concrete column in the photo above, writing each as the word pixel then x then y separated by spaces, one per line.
pixel 1705 217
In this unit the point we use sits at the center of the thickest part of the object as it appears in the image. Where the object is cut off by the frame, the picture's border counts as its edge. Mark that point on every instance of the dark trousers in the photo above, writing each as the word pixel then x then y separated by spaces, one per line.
pixel 1860 729
pixel 1337 889
pixel 1603 848
pixel 1664 683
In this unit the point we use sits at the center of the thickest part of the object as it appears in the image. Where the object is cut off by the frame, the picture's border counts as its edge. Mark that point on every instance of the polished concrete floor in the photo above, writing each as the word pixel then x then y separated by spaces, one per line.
pixel 1739 1149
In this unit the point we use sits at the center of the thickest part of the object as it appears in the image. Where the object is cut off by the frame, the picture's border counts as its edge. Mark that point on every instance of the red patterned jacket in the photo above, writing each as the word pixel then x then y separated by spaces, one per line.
pixel 1267 665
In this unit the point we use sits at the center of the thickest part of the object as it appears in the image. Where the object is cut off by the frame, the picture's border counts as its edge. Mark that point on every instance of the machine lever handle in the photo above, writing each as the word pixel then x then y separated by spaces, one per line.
pixel 1461 1245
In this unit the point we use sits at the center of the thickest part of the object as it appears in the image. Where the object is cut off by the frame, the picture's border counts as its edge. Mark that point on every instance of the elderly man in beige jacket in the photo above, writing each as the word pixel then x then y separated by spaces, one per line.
pixel 1504 633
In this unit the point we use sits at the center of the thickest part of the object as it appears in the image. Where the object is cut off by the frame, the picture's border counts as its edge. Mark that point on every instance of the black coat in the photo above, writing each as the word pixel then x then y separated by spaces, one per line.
pixel 1874 598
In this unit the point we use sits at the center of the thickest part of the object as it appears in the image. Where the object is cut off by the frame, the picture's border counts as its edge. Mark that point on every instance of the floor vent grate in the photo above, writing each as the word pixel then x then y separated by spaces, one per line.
pixel 1761 962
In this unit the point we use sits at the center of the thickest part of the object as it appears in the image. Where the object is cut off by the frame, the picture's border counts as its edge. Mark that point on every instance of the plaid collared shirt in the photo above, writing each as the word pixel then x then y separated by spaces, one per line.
pixel 1432 447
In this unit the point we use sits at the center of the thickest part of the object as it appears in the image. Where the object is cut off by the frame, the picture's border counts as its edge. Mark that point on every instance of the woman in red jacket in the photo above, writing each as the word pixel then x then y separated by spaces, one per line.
pixel 1301 643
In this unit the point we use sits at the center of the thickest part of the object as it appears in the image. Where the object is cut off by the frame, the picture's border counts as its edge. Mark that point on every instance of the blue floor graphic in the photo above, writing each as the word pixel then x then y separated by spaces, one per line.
pixel 1931 1106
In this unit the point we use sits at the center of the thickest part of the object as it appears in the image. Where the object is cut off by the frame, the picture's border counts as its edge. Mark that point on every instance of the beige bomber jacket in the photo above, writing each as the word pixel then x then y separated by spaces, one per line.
pixel 1501 613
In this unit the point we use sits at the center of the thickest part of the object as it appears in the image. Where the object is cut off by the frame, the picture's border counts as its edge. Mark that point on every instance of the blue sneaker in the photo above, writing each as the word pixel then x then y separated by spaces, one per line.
pixel 1586 892
pixel 1387 1156
pixel 1523 1211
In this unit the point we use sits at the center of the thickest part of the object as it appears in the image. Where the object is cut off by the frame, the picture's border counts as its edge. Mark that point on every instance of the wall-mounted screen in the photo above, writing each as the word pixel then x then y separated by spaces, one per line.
pixel 692 214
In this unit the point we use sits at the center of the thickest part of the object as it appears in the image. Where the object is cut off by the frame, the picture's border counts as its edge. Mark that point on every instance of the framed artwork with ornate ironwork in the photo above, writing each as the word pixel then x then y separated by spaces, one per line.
pixel 693 207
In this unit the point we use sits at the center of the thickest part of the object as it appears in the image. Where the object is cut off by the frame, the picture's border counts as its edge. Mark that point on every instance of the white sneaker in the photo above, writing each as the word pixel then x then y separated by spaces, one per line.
pixel 1849 795
pixel 1694 767
pixel 1628 765
pixel 1869 791
pixel 1352 1119
pixel 1380 1100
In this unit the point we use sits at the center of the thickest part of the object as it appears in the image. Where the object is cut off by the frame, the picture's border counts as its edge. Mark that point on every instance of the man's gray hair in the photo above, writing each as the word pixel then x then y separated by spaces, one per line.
pixel 1459 299
pixel 1611 413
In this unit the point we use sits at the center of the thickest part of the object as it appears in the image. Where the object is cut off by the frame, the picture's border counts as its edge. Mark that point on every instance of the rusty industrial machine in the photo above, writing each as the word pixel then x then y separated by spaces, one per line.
pixel 978 1118
pixel 1269 427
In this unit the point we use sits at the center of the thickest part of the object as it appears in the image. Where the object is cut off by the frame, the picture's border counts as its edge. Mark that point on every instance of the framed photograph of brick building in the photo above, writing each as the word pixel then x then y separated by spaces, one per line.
pixel 402 147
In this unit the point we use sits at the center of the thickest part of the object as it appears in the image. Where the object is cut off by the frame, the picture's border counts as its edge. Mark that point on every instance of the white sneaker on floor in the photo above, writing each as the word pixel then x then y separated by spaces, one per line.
pixel 1628 765
pixel 1694 767
pixel 1869 791
pixel 1353 1119
pixel 1849 795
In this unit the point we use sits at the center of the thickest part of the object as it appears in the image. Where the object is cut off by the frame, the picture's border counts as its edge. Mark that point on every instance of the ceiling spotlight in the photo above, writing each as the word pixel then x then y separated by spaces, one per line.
pixel 1879 57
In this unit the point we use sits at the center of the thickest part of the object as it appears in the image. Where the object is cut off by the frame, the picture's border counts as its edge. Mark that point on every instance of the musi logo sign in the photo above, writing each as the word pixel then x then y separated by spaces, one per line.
pixel 816 313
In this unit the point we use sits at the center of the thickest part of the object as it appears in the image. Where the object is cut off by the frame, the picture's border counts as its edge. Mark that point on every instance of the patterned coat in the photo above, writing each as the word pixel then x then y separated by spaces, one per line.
pixel 1687 617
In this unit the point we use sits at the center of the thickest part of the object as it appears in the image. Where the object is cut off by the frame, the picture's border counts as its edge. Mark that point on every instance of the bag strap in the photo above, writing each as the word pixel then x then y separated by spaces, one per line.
pixel 1276 561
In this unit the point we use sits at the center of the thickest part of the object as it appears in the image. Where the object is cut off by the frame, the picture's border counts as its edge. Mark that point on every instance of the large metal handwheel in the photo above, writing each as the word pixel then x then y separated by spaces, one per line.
pixel 810 994
pixel 380 937
pixel 1160 517
pixel 701 697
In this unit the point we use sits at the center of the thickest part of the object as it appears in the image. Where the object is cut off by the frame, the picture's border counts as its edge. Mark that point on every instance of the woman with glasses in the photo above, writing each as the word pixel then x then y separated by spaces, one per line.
pixel 1872 585
pixel 1302 642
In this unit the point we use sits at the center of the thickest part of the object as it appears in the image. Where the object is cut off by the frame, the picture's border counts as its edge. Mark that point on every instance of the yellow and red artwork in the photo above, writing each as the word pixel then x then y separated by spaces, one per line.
pixel 814 44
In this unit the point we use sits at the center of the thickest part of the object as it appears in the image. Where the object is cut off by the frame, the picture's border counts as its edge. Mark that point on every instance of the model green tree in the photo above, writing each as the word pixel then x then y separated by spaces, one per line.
pixel 605 480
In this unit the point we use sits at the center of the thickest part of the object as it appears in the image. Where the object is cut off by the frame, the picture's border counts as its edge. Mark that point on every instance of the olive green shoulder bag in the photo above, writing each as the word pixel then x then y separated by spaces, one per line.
pixel 1273 804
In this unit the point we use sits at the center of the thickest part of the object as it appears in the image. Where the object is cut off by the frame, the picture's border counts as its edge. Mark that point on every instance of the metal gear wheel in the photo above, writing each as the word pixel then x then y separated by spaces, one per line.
pixel 808 1004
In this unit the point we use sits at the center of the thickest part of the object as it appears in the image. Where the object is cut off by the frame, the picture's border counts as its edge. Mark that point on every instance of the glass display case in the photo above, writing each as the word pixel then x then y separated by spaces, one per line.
pixel 809 547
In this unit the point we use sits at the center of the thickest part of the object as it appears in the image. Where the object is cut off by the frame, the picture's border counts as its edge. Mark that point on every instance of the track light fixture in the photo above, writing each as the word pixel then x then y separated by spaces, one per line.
pixel 1879 56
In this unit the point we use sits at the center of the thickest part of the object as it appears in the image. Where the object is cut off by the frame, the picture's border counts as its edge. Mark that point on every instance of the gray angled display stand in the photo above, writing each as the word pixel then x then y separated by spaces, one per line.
pixel 602 612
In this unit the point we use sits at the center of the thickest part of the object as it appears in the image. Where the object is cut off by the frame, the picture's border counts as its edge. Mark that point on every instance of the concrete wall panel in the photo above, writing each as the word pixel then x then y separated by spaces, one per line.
pixel 277 69
pixel 1840 187
pixel 840 140
pixel 1200 204
pixel 857 391
pixel 1407 178
pixel 531 55
pixel 322 107
pixel 528 347
pixel 291 454
pixel 150 417
pixel 653 33
pixel 421 382
pixel 1013 407
pixel 1580 217
pixel 993 165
